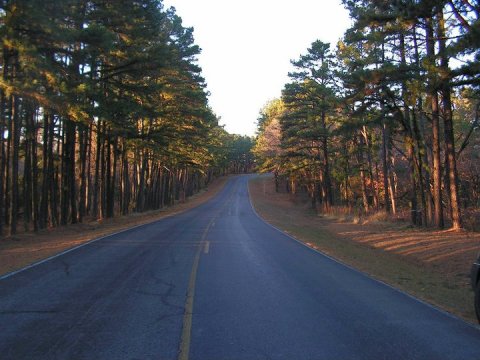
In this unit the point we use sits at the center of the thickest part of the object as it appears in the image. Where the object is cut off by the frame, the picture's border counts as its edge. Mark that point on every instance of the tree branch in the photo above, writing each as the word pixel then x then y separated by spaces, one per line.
pixel 472 128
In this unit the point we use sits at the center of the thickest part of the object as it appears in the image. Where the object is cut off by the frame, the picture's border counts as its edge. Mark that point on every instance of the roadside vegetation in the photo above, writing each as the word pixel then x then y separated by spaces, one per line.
pixel 374 148
pixel 386 123
pixel 103 112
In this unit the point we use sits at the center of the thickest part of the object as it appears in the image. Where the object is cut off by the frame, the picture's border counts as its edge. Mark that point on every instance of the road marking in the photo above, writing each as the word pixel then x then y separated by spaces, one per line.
pixel 39 262
pixel 185 340
pixel 320 252
pixel 188 315
pixel 89 242
pixel 207 247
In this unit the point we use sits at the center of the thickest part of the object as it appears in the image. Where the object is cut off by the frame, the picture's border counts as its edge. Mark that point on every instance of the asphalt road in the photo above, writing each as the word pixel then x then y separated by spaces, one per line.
pixel 215 283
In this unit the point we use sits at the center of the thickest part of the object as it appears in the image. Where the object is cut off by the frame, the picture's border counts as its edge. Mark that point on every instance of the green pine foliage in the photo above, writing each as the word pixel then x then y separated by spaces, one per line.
pixel 103 111
pixel 388 121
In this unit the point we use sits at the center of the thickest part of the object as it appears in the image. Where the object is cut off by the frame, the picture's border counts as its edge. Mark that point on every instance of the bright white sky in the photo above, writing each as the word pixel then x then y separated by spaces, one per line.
pixel 247 47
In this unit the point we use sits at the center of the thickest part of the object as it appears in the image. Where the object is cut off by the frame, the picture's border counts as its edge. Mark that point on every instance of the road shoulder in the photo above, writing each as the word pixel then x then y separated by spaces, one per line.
pixel 430 265
pixel 25 249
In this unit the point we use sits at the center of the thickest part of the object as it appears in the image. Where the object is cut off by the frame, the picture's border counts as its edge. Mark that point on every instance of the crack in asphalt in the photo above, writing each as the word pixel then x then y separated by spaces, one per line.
pixel 16 312
pixel 163 295
pixel 66 267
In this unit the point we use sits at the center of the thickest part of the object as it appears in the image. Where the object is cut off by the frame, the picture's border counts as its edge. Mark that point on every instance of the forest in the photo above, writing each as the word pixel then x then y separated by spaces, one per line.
pixel 387 121
pixel 103 112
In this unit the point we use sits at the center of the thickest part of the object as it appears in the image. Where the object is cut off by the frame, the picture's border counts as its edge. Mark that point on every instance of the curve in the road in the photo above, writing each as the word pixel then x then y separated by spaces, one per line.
pixel 215 282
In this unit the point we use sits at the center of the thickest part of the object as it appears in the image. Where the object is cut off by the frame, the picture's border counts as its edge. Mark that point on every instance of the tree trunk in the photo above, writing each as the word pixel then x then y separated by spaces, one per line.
pixel 113 178
pixel 277 182
pixel 437 162
pixel 53 173
pixel 89 169
pixel 328 200
pixel 386 198
pixel 374 189
pixel 103 173
pixel 363 180
pixel 27 171
pixel 424 168
pixel 45 185
pixel 36 215
pixel 448 125
pixel 15 160
pixel 141 186
pixel 65 196
pixel 108 180
pixel 126 180
pixel 410 143
pixel 96 187
pixel 8 162
pixel 418 162
pixel 3 128
pixel 83 144
pixel 71 171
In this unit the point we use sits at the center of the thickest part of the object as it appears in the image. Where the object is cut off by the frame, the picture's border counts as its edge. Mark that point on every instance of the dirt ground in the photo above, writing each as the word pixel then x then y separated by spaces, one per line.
pixel 429 264
pixel 24 249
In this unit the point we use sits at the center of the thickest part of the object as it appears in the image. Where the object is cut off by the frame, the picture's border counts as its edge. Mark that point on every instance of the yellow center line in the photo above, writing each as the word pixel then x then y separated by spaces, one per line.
pixel 187 317
pixel 184 350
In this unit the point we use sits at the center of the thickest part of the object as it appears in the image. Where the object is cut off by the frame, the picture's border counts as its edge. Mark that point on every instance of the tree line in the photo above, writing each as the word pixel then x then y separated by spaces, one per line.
pixel 389 120
pixel 103 111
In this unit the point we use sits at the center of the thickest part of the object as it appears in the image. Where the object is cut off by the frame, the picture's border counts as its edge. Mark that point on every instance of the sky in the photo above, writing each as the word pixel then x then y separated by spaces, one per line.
pixel 247 47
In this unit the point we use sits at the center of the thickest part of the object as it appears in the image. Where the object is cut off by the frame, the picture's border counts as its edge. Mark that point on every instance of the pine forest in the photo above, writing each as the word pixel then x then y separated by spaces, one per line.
pixel 103 111
pixel 387 121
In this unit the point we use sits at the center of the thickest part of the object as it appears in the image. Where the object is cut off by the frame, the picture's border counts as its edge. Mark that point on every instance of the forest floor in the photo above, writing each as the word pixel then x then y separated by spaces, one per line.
pixel 431 265
pixel 21 250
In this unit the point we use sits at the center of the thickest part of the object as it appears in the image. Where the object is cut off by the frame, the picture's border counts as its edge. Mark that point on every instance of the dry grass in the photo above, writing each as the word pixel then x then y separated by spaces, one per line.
pixel 24 249
pixel 430 264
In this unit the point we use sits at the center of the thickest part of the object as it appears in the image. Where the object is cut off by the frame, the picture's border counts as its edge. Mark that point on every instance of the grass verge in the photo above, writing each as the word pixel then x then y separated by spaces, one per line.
pixel 431 265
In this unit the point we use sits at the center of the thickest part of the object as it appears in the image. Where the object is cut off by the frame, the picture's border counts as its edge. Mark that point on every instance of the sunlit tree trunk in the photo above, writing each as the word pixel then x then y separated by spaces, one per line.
pixel 368 149
pixel 448 125
pixel 385 169
pixel 16 125
pixel 125 180
pixel 435 118
pixel 97 182
pixel 15 143
pixel 363 180
pixel 83 137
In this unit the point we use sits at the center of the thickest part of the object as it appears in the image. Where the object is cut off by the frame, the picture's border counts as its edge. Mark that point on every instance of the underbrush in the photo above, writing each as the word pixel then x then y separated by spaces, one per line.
pixel 356 215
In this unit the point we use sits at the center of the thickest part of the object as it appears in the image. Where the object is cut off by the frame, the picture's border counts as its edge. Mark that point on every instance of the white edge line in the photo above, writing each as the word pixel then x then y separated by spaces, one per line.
pixel 12 273
pixel 444 312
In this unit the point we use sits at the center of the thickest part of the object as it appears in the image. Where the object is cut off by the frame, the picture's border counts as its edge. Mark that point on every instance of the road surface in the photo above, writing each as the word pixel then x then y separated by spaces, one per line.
pixel 215 283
